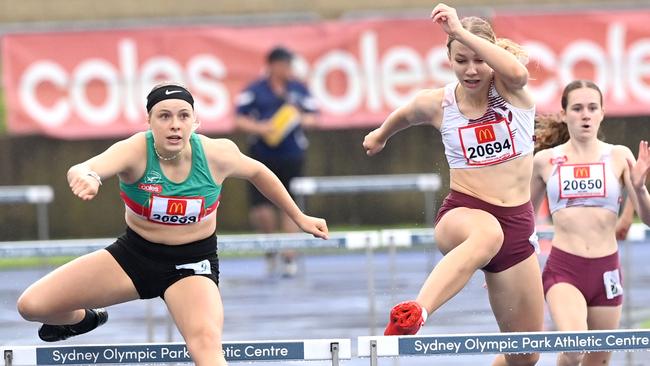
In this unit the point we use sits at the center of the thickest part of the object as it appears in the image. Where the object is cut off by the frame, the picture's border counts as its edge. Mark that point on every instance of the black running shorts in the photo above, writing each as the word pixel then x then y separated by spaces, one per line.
pixel 153 267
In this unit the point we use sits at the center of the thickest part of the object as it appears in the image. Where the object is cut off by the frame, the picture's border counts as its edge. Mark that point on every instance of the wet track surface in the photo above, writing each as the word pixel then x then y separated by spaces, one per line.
pixel 328 299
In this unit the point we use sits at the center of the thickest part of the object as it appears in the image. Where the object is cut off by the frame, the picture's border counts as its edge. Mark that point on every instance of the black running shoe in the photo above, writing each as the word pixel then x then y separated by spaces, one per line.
pixel 54 333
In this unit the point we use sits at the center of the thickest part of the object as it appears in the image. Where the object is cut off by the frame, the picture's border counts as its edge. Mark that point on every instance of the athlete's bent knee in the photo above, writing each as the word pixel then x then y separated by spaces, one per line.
pixel 487 241
pixel 30 308
pixel 206 339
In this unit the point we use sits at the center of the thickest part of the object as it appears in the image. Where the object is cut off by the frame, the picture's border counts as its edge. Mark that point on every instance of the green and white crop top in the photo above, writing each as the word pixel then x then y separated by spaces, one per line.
pixel 157 199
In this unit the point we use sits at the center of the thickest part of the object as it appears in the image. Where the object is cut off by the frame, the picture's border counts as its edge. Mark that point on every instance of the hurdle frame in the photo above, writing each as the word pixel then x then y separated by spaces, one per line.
pixel 375 347
pixel 337 349
pixel 8 357
pixel 329 349
pixel 38 195
pixel 426 183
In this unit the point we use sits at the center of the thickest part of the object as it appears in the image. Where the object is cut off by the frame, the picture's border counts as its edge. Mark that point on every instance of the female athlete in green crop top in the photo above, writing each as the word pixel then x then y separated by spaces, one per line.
pixel 156 198
pixel 170 180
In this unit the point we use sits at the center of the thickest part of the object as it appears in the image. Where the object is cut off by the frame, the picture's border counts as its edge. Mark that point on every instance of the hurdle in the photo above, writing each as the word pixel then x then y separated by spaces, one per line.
pixel 428 184
pixel 375 347
pixel 227 243
pixel 40 196
pixel 152 353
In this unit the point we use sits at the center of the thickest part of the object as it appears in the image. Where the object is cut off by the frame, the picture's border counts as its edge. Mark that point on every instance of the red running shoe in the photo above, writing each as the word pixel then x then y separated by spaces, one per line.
pixel 405 319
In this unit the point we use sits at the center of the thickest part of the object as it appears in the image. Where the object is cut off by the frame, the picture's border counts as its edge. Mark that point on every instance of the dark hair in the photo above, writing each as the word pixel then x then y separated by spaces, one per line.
pixel 279 53
pixel 168 90
pixel 550 130
pixel 577 84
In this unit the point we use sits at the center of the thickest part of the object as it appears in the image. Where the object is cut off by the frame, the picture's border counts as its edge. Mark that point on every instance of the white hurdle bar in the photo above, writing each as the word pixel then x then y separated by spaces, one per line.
pixel 375 347
pixel 148 353
pixel 226 243
pixel 429 184
pixel 251 242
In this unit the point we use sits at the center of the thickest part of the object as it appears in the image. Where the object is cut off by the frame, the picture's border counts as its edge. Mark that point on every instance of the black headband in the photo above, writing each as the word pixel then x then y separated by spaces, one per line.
pixel 168 92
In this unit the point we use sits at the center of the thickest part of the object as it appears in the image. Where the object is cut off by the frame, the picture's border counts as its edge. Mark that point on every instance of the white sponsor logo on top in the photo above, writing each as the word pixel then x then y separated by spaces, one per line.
pixel 126 86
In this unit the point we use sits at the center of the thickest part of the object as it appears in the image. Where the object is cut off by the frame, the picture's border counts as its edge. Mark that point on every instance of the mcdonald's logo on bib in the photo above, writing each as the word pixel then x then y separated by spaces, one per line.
pixel 485 134
pixel 581 172
pixel 176 207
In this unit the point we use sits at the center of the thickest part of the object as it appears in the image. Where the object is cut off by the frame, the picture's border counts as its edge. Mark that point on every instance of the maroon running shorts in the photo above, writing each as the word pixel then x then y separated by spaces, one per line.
pixel 517 224
pixel 598 279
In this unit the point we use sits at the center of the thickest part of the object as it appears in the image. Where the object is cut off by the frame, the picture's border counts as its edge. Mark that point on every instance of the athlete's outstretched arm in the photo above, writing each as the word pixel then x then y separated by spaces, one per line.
pixel 85 178
pixel 230 162
pixel 635 177
pixel 424 108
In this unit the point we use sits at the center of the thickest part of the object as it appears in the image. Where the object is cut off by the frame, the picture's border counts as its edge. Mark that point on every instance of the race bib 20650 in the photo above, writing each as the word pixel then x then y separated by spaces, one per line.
pixel 582 180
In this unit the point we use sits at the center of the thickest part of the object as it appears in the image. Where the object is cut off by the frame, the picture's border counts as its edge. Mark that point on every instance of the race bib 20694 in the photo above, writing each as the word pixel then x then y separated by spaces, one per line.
pixel 487 143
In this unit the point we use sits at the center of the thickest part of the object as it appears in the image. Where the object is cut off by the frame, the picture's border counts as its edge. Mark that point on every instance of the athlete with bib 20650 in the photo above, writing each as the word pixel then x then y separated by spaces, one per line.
pixel 170 180
pixel 583 178
pixel 486 120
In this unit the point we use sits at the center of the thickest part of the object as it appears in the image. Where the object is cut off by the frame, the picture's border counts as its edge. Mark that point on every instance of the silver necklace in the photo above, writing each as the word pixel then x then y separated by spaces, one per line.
pixel 164 158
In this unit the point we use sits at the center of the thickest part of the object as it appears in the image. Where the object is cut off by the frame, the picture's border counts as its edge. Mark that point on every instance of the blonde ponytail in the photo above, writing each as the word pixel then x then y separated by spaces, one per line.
pixel 513 48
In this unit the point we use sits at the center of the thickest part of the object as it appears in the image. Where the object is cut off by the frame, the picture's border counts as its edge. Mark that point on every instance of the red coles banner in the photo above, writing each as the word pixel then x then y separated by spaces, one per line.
pixel 93 84
pixel 610 48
